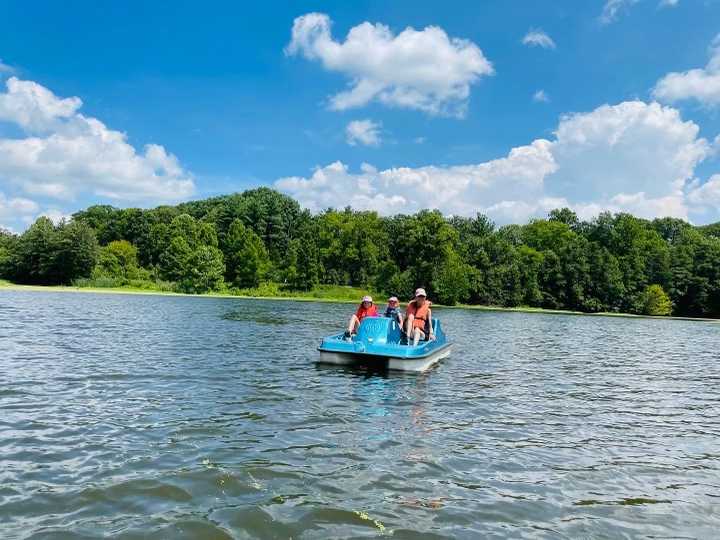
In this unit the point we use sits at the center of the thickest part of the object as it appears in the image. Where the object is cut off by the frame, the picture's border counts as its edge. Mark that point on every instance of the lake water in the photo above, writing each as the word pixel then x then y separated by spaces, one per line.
pixel 174 417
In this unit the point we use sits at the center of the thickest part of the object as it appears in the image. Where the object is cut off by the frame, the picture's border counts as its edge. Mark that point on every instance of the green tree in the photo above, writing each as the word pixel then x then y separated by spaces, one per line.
pixel 203 271
pixel 656 301
pixel 192 258
pixel 175 260
pixel 35 254
pixel 118 260
pixel 76 252
pixel 451 280
pixel 302 269
pixel 8 243
pixel 565 216
pixel 247 258
pixel 352 246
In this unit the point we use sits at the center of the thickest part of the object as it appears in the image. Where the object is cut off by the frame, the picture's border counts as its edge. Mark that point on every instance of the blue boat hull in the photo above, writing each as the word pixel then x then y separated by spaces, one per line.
pixel 378 343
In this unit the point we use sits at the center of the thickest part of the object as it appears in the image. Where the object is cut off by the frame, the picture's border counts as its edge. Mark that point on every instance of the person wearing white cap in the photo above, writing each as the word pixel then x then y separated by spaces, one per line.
pixel 419 318
pixel 366 309
pixel 393 310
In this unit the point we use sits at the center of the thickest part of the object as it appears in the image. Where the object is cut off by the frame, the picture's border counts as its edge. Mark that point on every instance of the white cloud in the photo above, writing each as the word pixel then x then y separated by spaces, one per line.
pixel 4 68
pixel 613 8
pixel 454 190
pixel 65 154
pixel 35 108
pixel 365 132
pixel 541 97
pixel 706 195
pixel 55 215
pixel 416 69
pixel 634 156
pixel 538 38
pixel 702 85
pixel 16 209
pixel 627 148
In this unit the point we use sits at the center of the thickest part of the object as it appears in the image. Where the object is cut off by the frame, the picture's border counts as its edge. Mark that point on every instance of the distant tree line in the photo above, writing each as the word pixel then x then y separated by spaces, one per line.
pixel 616 263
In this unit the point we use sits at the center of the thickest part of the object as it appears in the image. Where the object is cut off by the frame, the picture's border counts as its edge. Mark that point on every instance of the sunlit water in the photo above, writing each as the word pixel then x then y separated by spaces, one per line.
pixel 174 417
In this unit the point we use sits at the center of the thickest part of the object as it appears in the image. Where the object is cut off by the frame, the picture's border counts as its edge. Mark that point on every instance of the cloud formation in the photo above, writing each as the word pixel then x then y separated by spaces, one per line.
pixel 424 69
pixel 16 208
pixel 541 97
pixel 702 85
pixel 538 38
pixel 634 156
pixel 364 132
pixel 65 154
pixel 707 195
pixel 4 68
pixel 613 8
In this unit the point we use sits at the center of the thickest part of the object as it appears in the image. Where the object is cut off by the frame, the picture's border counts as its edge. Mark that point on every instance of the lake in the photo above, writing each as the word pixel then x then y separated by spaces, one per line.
pixel 176 417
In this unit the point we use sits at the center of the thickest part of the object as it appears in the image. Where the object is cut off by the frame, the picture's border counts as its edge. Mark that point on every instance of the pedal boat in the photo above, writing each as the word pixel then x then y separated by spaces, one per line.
pixel 378 343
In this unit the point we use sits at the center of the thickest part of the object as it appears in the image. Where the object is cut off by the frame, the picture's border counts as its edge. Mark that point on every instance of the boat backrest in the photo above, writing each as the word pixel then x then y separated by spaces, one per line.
pixel 379 330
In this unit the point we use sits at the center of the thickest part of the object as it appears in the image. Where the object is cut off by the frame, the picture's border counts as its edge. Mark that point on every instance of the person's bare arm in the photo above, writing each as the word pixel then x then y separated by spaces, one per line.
pixel 431 336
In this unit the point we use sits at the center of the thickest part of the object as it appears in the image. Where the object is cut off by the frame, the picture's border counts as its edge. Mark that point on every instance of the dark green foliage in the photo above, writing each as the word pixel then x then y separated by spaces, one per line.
pixel 352 246
pixel 8 242
pixel 119 260
pixel 302 265
pixel 565 216
pixel 611 263
pixel 34 256
pixel 76 251
pixel 46 254
pixel 246 256
pixel 191 257
pixel 203 272
pixel 710 230
pixel 451 280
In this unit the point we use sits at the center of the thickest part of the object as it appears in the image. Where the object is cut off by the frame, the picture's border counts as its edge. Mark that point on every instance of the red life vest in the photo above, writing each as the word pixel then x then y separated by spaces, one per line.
pixel 361 312
pixel 421 314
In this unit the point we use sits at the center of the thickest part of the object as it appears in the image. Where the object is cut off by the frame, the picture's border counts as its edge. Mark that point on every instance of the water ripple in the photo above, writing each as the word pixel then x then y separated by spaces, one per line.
pixel 170 417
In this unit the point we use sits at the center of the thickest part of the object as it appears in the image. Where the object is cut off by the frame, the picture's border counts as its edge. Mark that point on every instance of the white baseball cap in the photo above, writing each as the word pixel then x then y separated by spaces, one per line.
pixel 420 292
pixel 367 299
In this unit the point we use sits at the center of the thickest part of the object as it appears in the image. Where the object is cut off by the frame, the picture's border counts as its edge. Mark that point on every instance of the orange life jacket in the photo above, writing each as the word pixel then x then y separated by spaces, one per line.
pixel 421 314
pixel 361 312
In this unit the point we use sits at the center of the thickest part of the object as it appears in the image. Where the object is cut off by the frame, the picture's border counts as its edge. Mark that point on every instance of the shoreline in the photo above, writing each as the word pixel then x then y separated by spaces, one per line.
pixel 7 286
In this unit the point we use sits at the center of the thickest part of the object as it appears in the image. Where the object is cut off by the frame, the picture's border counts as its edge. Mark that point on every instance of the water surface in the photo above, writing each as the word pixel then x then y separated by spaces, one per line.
pixel 173 417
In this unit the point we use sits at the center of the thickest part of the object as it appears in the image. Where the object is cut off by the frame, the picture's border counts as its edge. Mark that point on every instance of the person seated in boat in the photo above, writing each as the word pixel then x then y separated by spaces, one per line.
pixel 419 318
pixel 393 310
pixel 366 309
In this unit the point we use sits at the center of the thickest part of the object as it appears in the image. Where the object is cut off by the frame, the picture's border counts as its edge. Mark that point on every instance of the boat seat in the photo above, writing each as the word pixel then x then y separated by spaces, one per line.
pixel 379 330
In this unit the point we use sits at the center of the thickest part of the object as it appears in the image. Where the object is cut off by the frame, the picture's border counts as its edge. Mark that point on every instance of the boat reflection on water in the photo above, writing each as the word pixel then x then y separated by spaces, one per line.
pixel 398 397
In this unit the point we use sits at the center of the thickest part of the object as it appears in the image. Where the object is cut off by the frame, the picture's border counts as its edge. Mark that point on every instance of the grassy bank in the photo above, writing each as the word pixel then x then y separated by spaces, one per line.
pixel 321 293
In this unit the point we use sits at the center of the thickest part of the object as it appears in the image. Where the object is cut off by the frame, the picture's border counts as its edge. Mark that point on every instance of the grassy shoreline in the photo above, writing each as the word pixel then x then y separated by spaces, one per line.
pixel 308 297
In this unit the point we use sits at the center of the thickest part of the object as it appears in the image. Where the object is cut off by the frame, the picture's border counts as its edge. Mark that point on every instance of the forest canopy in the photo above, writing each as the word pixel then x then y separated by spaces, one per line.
pixel 613 263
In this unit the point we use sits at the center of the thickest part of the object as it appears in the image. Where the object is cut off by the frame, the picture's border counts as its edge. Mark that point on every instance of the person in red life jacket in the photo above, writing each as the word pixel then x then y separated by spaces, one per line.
pixel 419 318
pixel 366 309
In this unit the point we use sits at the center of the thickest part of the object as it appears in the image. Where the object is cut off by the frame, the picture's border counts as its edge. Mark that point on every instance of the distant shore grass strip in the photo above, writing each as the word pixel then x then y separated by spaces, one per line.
pixel 330 294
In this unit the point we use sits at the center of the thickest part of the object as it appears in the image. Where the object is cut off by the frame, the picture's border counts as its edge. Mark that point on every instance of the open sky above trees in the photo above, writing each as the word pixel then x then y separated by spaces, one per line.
pixel 507 108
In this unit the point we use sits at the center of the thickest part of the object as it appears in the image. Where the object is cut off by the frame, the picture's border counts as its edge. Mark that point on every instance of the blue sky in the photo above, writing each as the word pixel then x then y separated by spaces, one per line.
pixel 226 102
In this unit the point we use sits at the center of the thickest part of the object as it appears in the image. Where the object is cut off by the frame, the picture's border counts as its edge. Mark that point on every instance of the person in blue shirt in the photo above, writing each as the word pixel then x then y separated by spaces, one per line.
pixel 393 310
